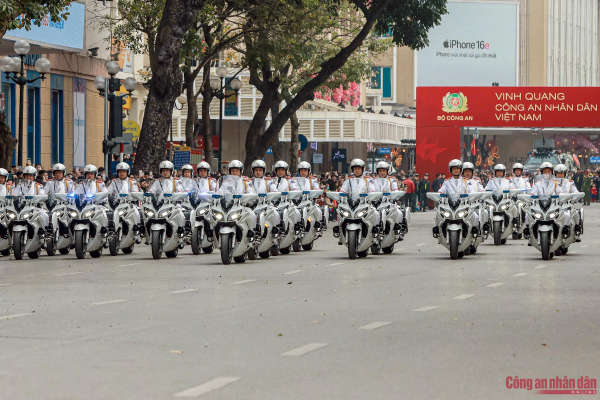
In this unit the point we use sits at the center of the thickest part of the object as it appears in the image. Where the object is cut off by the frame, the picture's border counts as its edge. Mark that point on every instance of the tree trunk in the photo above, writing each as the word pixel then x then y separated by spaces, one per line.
pixel 254 134
pixel 177 19
pixel 206 123
pixel 7 144
pixel 192 110
pixel 294 142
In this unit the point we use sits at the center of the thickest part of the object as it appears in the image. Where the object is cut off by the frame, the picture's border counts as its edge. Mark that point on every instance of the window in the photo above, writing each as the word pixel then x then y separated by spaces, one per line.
pixel 57 135
pixel 387 82
pixel 375 77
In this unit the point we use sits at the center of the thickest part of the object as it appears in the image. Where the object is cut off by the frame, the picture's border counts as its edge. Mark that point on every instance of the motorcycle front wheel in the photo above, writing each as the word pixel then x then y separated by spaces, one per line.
pixel 64 251
pixel 196 241
pixel 296 245
pixel 113 246
pixel 156 242
pixel 545 245
pixel 5 252
pixel 453 241
pixel 352 244
pixel 497 233
pixel 307 247
pixel 80 244
pixel 226 248
pixel 50 247
pixel 19 244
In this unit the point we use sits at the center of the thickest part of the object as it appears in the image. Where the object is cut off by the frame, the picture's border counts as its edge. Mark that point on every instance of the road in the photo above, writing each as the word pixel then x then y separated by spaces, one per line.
pixel 310 325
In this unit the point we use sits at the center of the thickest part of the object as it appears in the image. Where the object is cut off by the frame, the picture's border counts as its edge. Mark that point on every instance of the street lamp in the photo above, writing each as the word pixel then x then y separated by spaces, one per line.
pixel 107 89
pixel 217 86
pixel 14 70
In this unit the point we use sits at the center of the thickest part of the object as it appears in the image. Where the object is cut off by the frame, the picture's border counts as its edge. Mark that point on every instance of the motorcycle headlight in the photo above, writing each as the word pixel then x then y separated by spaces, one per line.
pixel 361 213
pixel 149 213
pixel 503 207
pixel 218 216
pixel 344 213
pixel 445 213
pixel 121 212
pixel 164 214
pixel 1 215
pixel 88 214
pixel 26 215
pixel 234 216
pixel 554 214
pixel 537 215
pixel 202 211
pixel 11 215
pixel 73 214
pixel 462 214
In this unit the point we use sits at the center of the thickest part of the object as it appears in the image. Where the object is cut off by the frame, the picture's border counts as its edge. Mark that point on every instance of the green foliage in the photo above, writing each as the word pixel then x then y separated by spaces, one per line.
pixel 33 11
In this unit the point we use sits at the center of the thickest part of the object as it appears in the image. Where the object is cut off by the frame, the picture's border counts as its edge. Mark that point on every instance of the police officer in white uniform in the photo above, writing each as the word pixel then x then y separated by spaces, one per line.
pixel 566 186
pixel 456 184
pixel 547 186
pixel 59 183
pixel 475 186
pixel 517 181
pixel 91 186
pixel 260 183
pixel 204 183
pixel 383 183
pixel 236 168
pixel 124 185
pixel 186 179
pixel 4 188
pixel 499 182
pixel 281 183
pixel 359 183
pixel 29 187
pixel 304 170
pixel 166 184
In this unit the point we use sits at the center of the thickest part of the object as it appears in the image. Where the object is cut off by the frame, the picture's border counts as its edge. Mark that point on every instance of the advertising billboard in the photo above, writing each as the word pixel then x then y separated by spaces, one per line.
pixel 476 44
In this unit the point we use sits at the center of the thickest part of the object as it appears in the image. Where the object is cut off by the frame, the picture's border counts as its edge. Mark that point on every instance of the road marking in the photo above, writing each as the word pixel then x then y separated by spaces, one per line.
pixel 463 296
pixel 300 351
pixel 5 284
pixel 292 272
pixel 331 265
pixel 183 291
pixel 420 244
pixel 520 274
pixel 246 281
pixel 574 252
pixel 426 308
pixel 375 325
pixel 129 265
pixel 585 246
pixel 541 266
pixel 108 302
pixel 495 284
pixel 70 273
pixel 15 316
pixel 208 387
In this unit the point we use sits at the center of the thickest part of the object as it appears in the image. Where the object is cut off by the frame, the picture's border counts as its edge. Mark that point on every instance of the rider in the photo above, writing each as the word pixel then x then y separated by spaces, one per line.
pixel 547 186
pixel 517 181
pixel 187 181
pixel 456 184
pixel 567 186
pixel 122 184
pixel 4 187
pixel 59 183
pixel 90 185
pixel 310 183
pixel 281 183
pixel 474 186
pixel 260 183
pixel 29 187
pixel 358 182
pixel 204 183
pixel 384 183
pixel 166 184
pixel 499 182
pixel 236 168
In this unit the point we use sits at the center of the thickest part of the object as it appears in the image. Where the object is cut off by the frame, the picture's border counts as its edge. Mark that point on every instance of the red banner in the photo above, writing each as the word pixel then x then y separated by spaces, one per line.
pixel 200 142
pixel 497 106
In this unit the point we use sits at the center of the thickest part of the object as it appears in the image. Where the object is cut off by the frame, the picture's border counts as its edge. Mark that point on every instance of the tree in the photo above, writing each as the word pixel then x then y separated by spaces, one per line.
pixel 31 12
pixel 408 21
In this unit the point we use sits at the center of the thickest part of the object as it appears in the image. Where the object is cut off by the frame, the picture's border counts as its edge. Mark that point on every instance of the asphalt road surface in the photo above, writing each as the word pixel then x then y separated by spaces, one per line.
pixel 309 325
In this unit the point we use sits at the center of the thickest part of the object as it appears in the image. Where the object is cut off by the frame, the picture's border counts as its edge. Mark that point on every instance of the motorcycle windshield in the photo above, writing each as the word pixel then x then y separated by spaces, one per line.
pixel 19 203
pixel 358 186
pixel 454 200
pixel 497 196
pixel 230 186
pixel 545 201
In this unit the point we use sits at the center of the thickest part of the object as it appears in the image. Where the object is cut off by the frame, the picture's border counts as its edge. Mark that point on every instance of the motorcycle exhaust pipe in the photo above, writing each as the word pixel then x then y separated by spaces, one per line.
pixel 336 231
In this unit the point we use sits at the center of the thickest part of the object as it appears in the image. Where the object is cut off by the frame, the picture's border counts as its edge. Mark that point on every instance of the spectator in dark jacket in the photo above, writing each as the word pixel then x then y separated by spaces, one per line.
pixel 424 187
pixel 578 179
pixel 436 184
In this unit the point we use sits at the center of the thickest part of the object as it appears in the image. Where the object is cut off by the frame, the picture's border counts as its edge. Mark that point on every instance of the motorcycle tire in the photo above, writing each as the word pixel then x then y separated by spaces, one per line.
pixel 453 242
pixel 285 250
pixel 515 236
pixel 388 250
pixel 156 242
pixel 503 241
pixel 80 246
pixel 172 253
pixel 307 247
pixel 467 251
pixel 520 236
pixel 264 254
pixel 240 259
pixel 565 250
pixel 64 251
pixel 97 253
pixel 34 254
pixel 558 252
pixel 461 254
pixel 196 242
pixel 252 254
pixel 352 244
pixel 472 249
pixel 226 248
pixel 113 246
pixel 5 252
pixel 545 245
pixel 50 247
pixel 497 233
pixel 296 245
pixel 363 254
pixel 375 249
pixel 274 251
pixel 208 249
pixel 128 250
pixel 19 245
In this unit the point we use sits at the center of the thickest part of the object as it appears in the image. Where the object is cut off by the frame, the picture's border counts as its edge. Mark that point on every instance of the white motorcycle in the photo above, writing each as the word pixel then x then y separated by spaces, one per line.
pixel 5 237
pixel 311 223
pixel 455 215
pixel 201 235
pixel 504 214
pixel 124 228
pixel 357 222
pixel 546 221
pixel 391 227
pixel 232 222
pixel 266 222
pixel 26 225
pixel 163 223
pixel 289 229
pixel 90 230
pixel 62 215
pixel 576 228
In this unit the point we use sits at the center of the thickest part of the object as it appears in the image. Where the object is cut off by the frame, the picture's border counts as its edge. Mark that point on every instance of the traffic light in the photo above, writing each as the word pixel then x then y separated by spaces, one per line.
pixel 116 117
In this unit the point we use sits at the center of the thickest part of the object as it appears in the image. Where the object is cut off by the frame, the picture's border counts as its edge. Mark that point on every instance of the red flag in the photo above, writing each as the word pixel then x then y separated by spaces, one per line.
pixel 473 147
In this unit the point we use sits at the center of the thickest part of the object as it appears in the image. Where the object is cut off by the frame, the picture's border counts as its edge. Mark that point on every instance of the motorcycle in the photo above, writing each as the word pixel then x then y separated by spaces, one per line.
pixel 290 233
pixel 504 214
pixel 268 232
pixel 201 235
pixel 392 229
pixel 61 238
pixel 546 221
pixel 5 237
pixel 232 222
pixel 357 222
pixel 162 220
pixel 311 222
pixel 89 228
pixel 26 225
pixel 576 228
pixel 455 216
pixel 124 227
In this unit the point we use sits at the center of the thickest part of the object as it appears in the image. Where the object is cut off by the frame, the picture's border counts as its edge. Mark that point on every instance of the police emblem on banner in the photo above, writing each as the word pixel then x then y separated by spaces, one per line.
pixel 454 102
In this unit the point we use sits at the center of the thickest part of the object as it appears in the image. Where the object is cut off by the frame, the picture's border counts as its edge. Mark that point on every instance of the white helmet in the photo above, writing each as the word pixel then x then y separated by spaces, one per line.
pixel 304 165
pixel 518 166
pixel 258 164
pixel 3 172
pixel 281 164
pixel 357 162
pixel 236 164
pixel 455 163
pixel 203 165
pixel 166 165
pixel 560 168
pixel 468 165
pixel 30 170
pixel 90 168
pixel 187 167
pixel 122 167
pixel 382 165
pixel 546 164
pixel 59 167
pixel 499 167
